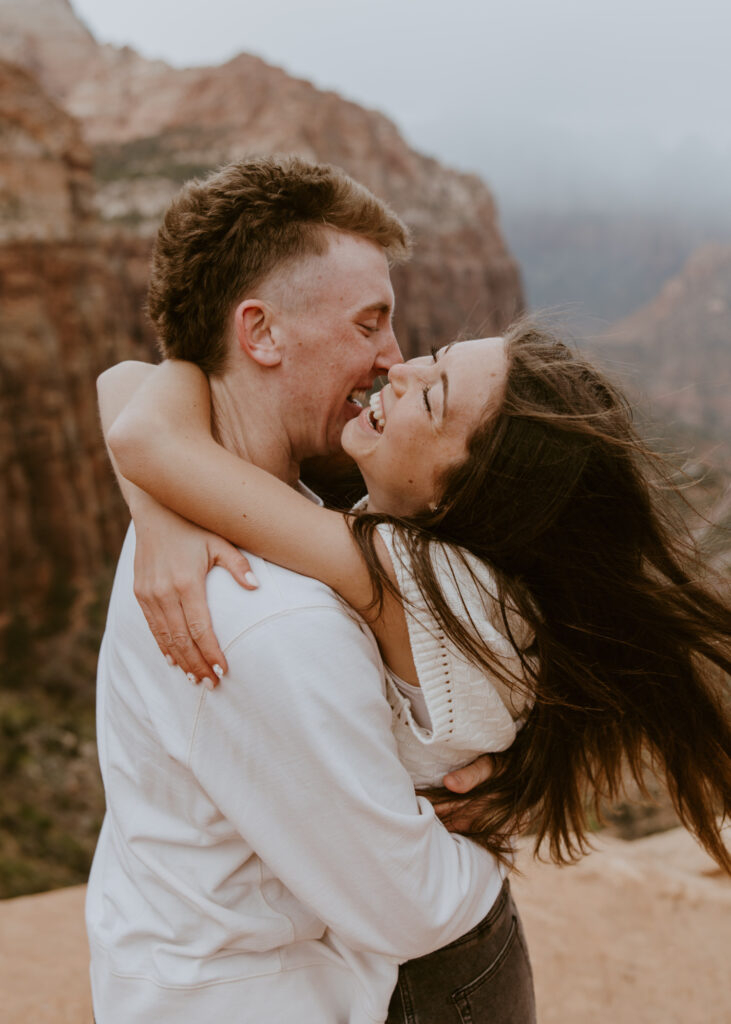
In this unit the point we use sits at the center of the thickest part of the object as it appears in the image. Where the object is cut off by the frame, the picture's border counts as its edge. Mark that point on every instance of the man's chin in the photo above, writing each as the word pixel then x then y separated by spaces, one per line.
pixel 332 443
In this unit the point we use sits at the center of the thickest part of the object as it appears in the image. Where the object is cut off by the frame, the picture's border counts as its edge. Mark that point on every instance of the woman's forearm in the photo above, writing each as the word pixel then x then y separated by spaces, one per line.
pixel 162 441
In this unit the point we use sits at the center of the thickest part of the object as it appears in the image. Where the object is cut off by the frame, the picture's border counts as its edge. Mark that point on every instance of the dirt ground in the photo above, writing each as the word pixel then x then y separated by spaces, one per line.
pixel 637 933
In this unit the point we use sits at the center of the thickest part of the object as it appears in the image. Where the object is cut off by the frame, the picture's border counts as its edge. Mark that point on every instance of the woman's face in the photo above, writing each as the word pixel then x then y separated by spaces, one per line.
pixel 418 426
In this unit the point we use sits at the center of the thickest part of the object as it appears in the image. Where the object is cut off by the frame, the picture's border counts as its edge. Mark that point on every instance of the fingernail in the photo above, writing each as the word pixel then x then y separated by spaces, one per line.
pixel 218 670
pixel 208 683
pixel 251 579
pixel 191 678
pixel 170 660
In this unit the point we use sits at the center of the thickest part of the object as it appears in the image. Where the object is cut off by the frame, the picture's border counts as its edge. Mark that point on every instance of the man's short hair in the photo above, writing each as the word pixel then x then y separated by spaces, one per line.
pixel 223 235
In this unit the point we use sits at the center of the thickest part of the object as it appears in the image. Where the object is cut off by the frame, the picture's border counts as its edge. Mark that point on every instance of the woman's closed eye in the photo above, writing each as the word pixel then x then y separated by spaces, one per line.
pixel 427 388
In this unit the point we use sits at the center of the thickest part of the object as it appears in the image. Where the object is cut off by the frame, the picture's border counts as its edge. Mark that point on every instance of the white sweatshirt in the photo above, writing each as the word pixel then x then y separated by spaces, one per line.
pixel 264 857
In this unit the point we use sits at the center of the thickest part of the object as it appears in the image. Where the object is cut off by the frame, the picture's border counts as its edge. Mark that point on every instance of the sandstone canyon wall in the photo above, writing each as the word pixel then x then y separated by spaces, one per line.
pixel 676 352
pixel 679 344
pixel 152 126
pixel 95 141
pixel 67 310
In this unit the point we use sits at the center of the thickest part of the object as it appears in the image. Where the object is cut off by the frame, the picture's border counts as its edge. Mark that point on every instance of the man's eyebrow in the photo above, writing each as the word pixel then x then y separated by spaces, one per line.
pixel 376 307
pixel 445 386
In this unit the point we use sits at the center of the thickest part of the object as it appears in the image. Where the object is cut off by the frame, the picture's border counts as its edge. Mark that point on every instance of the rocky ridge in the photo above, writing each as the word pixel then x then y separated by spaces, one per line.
pixel 47 39
pixel 679 345
pixel 67 310
pixel 152 126
pixel 46 191
pixel 70 304
pixel 675 354
pixel 89 160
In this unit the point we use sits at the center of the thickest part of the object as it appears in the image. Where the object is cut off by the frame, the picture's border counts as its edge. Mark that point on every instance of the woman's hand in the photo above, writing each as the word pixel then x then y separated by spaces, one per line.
pixel 456 814
pixel 172 559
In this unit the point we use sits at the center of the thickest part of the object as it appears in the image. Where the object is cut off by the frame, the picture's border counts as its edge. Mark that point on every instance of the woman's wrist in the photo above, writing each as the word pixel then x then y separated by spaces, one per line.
pixel 146 512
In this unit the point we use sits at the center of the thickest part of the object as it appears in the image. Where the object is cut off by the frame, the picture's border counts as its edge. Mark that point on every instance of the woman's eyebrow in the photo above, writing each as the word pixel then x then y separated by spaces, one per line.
pixel 445 382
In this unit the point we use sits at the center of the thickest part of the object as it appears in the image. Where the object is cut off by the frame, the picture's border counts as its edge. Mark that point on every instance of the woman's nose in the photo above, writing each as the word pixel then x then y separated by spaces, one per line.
pixel 398 377
pixel 402 374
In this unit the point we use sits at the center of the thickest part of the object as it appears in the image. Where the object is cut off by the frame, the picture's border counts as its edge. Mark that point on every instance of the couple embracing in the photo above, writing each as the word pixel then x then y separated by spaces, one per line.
pixel 271 851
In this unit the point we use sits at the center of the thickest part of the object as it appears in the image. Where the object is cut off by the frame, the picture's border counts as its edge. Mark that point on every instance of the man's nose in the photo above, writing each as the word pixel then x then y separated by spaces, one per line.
pixel 389 353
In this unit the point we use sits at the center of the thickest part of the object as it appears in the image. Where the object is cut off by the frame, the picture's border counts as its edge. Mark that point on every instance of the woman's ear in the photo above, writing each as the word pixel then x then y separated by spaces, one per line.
pixel 254 334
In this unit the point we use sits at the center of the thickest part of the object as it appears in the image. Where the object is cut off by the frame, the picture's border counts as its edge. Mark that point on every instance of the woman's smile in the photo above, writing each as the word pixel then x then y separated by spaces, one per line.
pixel 377 411
pixel 365 421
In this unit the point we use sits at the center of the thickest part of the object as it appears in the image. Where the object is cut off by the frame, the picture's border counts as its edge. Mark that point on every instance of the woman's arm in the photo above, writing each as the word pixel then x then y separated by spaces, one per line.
pixel 172 556
pixel 162 441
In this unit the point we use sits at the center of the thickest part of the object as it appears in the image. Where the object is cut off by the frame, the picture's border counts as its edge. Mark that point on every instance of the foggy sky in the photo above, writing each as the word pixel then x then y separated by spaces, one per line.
pixel 562 99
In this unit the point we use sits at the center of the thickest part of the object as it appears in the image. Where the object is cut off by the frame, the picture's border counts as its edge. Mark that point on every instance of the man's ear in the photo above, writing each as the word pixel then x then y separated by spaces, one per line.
pixel 254 334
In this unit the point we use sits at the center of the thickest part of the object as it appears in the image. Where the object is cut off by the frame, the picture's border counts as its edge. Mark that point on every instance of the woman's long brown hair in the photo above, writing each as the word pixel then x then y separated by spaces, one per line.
pixel 631 643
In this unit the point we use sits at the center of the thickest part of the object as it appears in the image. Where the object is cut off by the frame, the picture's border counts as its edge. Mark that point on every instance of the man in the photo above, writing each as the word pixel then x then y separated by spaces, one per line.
pixel 264 856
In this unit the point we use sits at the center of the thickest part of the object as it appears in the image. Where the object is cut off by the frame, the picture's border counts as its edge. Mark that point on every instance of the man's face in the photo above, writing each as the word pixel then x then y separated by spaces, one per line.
pixel 337 338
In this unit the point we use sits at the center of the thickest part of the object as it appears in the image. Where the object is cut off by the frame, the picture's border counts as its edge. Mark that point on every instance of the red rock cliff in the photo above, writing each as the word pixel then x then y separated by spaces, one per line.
pixel 89 160
pixel 152 126
pixel 67 310
pixel 679 345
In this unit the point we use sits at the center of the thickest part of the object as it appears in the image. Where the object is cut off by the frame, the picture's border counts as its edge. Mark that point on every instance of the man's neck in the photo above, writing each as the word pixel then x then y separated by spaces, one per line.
pixel 245 422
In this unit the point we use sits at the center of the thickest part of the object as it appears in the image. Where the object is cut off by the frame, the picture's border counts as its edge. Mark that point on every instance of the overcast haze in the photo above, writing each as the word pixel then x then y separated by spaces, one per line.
pixel 572 99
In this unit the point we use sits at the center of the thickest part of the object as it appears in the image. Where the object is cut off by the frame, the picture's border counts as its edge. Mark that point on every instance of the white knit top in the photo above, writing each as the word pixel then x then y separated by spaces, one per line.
pixel 468 715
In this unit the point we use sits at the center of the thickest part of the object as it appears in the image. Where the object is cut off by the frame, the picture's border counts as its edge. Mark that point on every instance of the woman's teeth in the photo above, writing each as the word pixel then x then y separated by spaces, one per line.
pixel 376 414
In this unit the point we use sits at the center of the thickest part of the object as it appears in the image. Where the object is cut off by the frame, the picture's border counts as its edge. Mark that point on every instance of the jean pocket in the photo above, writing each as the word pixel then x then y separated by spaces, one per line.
pixel 503 992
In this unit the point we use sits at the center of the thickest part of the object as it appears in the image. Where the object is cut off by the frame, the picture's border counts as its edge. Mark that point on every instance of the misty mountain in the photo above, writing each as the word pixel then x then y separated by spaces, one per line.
pixel 598 264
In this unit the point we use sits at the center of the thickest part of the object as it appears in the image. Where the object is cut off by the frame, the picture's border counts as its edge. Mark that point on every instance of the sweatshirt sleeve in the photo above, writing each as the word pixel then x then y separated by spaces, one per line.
pixel 296 749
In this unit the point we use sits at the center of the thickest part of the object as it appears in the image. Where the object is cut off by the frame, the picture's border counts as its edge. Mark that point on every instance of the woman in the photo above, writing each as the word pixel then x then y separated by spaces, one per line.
pixel 512 527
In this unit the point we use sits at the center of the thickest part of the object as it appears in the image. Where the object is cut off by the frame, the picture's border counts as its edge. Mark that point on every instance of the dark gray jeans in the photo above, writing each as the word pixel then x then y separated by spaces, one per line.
pixel 485 976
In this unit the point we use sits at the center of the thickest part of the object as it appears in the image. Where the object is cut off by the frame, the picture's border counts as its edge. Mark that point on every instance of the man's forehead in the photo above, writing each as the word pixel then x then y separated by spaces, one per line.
pixel 356 275
pixel 360 287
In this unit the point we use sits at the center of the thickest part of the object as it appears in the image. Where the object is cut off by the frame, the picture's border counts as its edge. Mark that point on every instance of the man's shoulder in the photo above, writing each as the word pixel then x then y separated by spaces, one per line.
pixel 281 594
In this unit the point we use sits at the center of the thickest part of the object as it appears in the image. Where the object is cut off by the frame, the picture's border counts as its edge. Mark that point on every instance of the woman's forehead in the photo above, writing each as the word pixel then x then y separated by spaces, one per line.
pixel 477 372
pixel 486 356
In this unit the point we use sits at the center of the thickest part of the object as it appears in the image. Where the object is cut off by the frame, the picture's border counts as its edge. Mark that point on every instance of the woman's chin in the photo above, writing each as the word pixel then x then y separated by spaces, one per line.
pixel 352 439
pixel 346 439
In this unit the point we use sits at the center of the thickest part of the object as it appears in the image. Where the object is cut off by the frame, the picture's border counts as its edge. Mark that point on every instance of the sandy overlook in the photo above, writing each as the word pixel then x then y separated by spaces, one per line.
pixel 637 933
